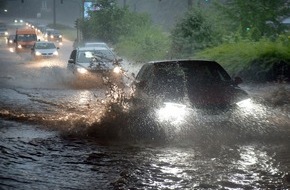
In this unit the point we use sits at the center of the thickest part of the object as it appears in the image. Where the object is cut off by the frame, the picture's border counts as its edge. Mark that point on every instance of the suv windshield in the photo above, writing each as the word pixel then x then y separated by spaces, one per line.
pixel 192 73
pixel 26 37
pixel 87 56
pixel 174 78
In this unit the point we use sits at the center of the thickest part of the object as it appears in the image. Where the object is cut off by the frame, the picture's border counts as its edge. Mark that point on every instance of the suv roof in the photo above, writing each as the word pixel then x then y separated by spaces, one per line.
pixel 91 48
pixel 190 65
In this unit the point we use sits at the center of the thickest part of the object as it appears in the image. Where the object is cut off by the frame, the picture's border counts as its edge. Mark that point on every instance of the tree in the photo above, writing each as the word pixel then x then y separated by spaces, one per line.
pixel 255 18
pixel 2 3
pixel 109 22
pixel 194 32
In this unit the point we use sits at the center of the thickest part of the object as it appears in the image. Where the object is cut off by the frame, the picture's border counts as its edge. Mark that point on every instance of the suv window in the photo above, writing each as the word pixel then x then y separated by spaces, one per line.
pixel 144 73
pixel 73 55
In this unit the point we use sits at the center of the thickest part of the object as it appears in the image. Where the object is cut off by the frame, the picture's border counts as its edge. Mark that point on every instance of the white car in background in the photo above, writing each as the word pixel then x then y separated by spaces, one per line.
pixel 43 49
pixel 95 62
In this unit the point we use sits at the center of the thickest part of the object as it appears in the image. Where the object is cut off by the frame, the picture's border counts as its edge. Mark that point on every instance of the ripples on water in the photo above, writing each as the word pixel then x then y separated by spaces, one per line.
pixel 32 158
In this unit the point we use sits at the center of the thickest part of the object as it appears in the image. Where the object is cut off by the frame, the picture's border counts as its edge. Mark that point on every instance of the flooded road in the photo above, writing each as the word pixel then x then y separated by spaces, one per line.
pixel 55 134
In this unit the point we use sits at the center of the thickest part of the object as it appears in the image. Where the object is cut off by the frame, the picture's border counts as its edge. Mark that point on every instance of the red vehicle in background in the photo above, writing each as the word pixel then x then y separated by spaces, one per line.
pixel 25 39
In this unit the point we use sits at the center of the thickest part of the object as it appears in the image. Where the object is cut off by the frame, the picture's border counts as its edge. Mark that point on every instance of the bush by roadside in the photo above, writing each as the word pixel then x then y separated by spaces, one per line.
pixel 146 44
pixel 257 61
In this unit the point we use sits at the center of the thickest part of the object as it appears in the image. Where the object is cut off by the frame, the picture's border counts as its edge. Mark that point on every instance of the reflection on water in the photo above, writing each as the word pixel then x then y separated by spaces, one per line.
pixel 83 97
pixel 36 158
pixel 79 139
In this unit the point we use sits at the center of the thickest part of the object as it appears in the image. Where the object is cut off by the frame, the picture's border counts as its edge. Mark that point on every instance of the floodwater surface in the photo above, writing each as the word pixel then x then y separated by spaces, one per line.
pixel 55 134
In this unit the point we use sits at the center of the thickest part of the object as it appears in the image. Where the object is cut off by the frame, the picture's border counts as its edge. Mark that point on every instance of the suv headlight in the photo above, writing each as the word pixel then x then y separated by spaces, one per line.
pixel 117 69
pixel 172 112
pixel 247 103
pixel 37 53
pixel 55 53
pixel 82 70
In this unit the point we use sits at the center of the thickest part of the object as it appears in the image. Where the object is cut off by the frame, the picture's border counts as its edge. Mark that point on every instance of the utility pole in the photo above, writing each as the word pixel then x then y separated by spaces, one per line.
pixel 189 3
pixel 54 13
pixel 124 3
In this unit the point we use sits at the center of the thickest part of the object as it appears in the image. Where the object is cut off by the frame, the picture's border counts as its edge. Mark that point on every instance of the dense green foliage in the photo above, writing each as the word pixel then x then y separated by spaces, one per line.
pixel 244 36
pixel 111 22
pixel 132 34
pixel 194 32
pixel 250 57
pixel 146 44
pixel 255 18
pixel 250 44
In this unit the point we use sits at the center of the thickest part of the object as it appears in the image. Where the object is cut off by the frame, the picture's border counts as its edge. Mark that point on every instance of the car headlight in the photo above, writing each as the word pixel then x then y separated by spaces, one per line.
pixel 249 107
pixel 82 70
pixel 19 46
pixel 51 36
pixel 21 21
pixel 60 36
pixel 247 103
pixel 37 53
pixel 11 41
pixel 55 53
pixel 117 69
pixel 172 112
pixel 6 33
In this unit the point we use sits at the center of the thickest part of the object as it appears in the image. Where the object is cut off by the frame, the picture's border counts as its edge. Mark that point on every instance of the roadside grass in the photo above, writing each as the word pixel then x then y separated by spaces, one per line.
pixel 240 56
pixel 146 44
pixel 68 32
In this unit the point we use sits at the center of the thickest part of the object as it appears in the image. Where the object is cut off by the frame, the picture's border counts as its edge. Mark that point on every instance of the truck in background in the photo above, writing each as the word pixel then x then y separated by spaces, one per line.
pixel 25 39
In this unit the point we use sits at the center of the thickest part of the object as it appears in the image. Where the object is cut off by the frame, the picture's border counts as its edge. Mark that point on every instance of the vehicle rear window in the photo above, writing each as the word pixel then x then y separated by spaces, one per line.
pixel 26 37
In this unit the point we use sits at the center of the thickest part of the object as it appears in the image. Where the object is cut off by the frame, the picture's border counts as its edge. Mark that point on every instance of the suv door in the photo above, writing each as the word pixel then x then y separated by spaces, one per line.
pixel 72 60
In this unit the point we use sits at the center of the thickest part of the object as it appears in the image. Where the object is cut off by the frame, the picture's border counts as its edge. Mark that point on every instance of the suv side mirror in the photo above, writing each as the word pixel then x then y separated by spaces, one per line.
pixel 238 80
pixel 142 84
pixel 133 75
pixel 71 61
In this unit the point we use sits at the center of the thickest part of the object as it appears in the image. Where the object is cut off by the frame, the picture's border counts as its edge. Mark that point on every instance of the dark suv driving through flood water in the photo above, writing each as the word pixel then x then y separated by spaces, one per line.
pixel 195 83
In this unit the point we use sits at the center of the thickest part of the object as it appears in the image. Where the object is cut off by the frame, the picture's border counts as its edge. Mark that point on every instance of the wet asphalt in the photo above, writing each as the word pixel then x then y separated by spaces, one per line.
pixel 56 133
